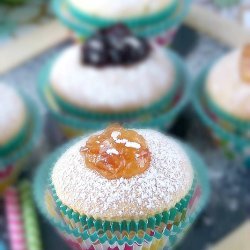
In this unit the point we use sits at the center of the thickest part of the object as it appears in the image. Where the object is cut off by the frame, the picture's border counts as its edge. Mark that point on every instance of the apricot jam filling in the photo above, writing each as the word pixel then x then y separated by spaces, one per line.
pixel 117 153
pixel 245 64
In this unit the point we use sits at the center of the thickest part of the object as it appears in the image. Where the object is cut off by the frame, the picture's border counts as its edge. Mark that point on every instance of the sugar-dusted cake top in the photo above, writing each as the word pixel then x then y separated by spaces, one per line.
pixel 163 183
pixel 112 89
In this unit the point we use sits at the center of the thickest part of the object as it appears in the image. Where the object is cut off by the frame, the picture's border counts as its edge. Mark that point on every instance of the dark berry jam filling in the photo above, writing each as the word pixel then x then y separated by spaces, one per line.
pixel 115 45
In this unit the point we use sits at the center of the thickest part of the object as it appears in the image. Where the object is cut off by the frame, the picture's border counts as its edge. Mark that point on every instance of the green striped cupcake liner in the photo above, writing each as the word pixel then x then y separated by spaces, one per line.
pixel 85 29
pixel 159 221
pixel 20 137
pixel 130 22
pixel 34 129
pixel 41 185
pixel 166 100
pixel 158 118
pixel 235 145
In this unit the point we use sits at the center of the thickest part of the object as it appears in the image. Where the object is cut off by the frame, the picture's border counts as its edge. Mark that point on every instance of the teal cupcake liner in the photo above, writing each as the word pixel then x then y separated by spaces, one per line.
pixel 165 242
pixel 166 100
pixel 41 186
pixel 174 21
pixel 238 146
pixel 130 22
pixel 157 118
pixel 34 129
pixel 156 222
pixel 230 122
pixel 85 29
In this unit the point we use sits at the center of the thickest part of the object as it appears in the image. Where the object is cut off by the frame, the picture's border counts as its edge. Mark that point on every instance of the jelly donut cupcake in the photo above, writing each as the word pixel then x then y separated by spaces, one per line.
pixel 158 21
pixel 114 76
pixel 123 188
pixel 127 72
pixel 226 90
pixel 19 129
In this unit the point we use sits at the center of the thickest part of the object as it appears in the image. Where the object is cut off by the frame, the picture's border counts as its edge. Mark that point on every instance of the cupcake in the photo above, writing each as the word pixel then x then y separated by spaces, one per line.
pixel 13 118
pixel 127 72
pixel 228 88
pixel 144 18
pixel 19 129
pixel 123 188
pixel 224 93
pixel 114 76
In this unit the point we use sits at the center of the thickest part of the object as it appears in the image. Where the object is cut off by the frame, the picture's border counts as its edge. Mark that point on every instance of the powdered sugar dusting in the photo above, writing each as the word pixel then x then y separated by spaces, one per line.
pixel 167 180
pixel 119 88
pixel 12 113
pixel 112 151
pixel 131 144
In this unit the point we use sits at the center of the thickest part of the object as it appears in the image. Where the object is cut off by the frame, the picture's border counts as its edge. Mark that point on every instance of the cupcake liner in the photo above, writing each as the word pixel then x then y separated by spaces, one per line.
pixel 19 155
pixel 85 29
pixel 175 20
pixel 79 244
pixel 228 121
pixel 165 38
pixel 95 241
pixel 130 22
pixel 166 100
pixel 239 146
pixel 157 222
pixel 162 118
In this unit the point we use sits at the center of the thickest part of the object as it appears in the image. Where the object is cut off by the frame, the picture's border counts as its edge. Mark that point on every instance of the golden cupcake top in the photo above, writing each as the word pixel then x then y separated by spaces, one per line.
pixel 117 152
pixel 110 185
